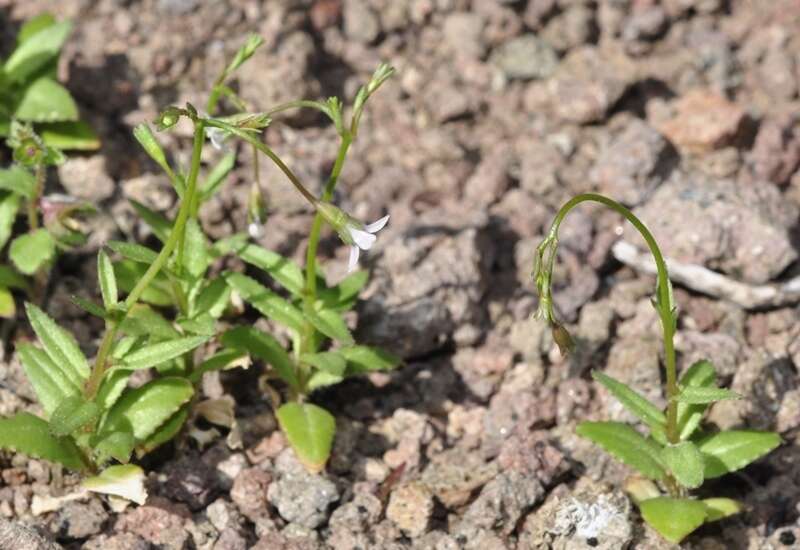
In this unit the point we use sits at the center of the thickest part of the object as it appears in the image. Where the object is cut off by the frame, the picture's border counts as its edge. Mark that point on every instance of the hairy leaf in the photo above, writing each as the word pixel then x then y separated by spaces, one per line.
pixel 331 324
pixel 685 462
pixel 59 344
pixel 113 384
pixel 30 435
pixel 133 251
pixel 282 269
pixel 195 257
pixel 50 381
pixel 673 518
pixel 635 403
pixel 361 359
pixel 328 361
pixel 157 293
pixel 144 409
pixel 729 451
pixel 265 347
pixel 700 375
pixel 117 445
pixel 627 445
pixel 89 307
pixel 142 320
pixel 18 180
pixel 310 431
pixel 160 225
pixel 265 301
pixel 156 354
pixel 108 281
pixel 72 414
pixel 704 395
pixel 165 432
pixel 213 298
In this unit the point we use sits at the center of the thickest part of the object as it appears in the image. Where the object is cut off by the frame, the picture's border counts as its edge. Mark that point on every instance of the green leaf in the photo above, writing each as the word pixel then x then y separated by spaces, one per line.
pixel 59 344
pixel 265 301
pixel 729 451
pixel 9 206
pixel 156 354
pixel 217 176
pixel 705 395
pixel 632 401
pixel 328 361
pixel 673 518
pixel 142 320
pixel 203 324
pixel 165 433
pixel 51 382
pixel 113 384
pixel 28 434
pixel 700 375
pixel 685 462
pixel 330 323
pixel 343 296
pixel 133 251
pixel 310 431
pixel 265 347
pixel 720 508
pixel 627 445
pixel 160 225
pixel 73 414
pixel 8 308
pixel 31 251
pixel 45 100
pixel 34 25
pixel 213 298
pixel 117 445
pixel 244 53
pixel 320 379
pixel 18 180
pixel 144 409
pixel 158 292
pixel 150 144
pixel 282 269
pixel 89 307
pixel 70 135
pixel 108 281
pixel 11 279
pixel 195 257
pixel 222 360
pixel 37 49
pixel 363 359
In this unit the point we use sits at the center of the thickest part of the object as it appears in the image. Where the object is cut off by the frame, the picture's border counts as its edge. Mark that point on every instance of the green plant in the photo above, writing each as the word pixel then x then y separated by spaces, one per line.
pixel 677 454
pixel 54 221
pixel 30 92
pixel 310 309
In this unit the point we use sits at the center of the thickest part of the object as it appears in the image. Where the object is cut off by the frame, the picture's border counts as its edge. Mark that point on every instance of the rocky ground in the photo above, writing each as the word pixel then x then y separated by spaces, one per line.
pixel 501 110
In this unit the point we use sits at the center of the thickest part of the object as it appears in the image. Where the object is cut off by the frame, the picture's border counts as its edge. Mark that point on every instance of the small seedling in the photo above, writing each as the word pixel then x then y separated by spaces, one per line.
pixel 676 454
pixel 30 91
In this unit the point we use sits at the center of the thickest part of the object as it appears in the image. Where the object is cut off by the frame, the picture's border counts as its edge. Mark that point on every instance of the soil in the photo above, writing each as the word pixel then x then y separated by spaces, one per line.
pixel 501 110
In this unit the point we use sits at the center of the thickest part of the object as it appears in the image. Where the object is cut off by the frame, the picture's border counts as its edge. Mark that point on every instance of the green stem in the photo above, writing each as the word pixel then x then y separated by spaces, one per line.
pixel 175 237
pixel 663 303
pixel 33 202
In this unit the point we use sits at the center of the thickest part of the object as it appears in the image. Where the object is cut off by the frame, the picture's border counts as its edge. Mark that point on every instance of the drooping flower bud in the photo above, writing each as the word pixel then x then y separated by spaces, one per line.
pixel 563 339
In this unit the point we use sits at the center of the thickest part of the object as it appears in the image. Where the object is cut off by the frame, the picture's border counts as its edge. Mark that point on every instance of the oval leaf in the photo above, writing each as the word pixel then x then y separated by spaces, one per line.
pixel 700 375
pixel 45 100
pixel 310 431
pixel 38 49
pixel 635 403
pixel 72 414
pixel 685 462
pixel 331 324
pixel 51 384
pixel 673 518
pixel 705 395
pixel 627 445
pixel 720 508
pixel 266 301
pixel 29 252
pixel 729 451
pixel 328 361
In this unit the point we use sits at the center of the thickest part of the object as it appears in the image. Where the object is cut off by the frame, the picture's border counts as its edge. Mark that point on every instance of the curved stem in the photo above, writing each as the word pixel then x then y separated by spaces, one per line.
pixel 663 302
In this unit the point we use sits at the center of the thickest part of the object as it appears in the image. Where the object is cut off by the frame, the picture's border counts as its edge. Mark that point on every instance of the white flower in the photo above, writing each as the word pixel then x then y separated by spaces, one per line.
pixel 362 238
pixel 217 136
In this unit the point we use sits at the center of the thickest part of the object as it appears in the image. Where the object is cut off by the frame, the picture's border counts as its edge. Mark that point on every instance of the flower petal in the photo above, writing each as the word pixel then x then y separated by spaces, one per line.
pixel 353 261
pixel 378 225
pixel 216 136
pixel 362 239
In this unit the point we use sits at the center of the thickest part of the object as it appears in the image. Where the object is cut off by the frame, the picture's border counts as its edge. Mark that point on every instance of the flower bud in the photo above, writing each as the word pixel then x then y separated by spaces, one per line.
pixel 563 339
